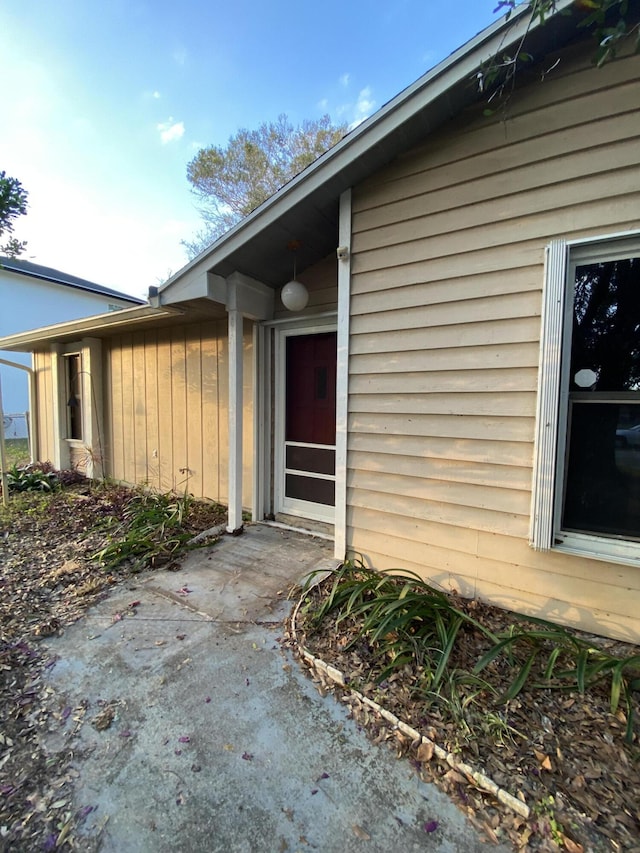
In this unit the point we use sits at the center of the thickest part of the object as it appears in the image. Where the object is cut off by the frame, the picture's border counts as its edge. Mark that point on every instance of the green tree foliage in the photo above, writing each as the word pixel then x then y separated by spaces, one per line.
pixel 13 203
pixel 608 20
pixel 232 181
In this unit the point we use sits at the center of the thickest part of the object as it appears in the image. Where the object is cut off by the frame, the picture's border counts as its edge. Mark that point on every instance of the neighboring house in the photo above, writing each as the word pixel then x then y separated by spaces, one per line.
pixel 30 296
pixel 446 402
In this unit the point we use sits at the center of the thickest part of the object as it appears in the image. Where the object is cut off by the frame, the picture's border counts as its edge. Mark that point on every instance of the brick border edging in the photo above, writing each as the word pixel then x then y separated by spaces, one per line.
pixel 475 777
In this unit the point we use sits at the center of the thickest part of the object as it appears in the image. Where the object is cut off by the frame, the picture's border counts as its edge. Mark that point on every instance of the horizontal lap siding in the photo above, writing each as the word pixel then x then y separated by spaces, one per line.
pixel 166 396
pixel 447 271
pixel 321 280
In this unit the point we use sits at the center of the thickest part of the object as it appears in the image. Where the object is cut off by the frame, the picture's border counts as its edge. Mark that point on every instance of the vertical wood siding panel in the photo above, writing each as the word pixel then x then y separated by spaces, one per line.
pixel 179 410
pixel 140 411
pixel 194 409
pixel 128 409
pixel 45 408
pixel 117 411
pixel 210 448
pixel 107 404
pixel 151 403
pixel 165 411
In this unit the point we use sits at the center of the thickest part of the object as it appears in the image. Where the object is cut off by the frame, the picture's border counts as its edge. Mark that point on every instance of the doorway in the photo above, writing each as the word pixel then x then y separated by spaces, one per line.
pixel 306 428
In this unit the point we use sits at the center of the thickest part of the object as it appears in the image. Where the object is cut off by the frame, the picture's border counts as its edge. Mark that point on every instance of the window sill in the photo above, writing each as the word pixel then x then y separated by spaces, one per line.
pixel 599 548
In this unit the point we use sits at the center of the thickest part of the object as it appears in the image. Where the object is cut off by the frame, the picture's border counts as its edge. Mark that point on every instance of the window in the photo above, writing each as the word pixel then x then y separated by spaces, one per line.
pixel 73 364
pixel 586 496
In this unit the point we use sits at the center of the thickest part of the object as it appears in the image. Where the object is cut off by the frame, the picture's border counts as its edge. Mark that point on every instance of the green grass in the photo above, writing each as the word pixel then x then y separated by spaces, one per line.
pixel 16 451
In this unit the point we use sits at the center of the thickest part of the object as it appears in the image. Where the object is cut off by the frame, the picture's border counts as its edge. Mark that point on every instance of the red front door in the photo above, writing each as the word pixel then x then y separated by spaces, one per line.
pixel 310 422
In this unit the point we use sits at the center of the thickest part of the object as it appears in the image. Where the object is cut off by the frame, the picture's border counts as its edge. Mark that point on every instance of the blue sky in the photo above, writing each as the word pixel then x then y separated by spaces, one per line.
pixel 104 104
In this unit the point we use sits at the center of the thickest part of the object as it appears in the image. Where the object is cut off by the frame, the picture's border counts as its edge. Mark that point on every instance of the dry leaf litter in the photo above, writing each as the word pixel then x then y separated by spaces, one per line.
pixel 562 755
pixel 47 581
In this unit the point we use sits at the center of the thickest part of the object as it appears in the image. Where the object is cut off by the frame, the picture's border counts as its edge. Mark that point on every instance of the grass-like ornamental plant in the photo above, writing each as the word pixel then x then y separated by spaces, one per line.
pixel 406 622
pixel 148 533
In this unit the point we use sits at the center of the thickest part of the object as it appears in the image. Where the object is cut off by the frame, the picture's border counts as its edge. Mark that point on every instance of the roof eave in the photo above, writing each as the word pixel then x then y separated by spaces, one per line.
pixel 113 321
pixel 451 72
pixel 43 274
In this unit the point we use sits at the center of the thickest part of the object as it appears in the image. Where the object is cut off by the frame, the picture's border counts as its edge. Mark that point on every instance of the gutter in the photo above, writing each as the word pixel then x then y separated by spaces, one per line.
pixel 113 320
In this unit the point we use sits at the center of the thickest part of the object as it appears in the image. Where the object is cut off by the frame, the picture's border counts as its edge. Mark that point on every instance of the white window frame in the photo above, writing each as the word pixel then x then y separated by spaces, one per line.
pixel 562 257
pixel 90 352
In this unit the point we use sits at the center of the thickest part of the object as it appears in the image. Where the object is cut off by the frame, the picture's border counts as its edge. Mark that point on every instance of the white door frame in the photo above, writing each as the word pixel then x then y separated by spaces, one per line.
pixel 304 509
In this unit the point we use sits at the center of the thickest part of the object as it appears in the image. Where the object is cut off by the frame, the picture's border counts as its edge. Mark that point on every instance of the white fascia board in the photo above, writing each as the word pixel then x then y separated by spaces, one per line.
pixel 460 65
pixel 195 284
pixel 113 321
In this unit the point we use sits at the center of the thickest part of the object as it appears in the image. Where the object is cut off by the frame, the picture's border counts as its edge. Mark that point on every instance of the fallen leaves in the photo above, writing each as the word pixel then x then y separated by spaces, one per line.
pixel 105 717
pixel 360 833
pixel 48 581
pixel 543 760
pixel 542 743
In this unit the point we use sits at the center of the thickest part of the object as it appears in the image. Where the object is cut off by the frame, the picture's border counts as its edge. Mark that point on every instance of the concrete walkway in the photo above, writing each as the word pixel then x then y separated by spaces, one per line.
pixel 218 741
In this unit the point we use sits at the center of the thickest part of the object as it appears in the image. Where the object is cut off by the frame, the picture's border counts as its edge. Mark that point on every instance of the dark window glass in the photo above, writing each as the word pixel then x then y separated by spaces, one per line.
pixel 602 483
pixel 313 459
pixel 311 388
pixel 606 325
pixel 603 470
pixel 311 489
pixel 74 398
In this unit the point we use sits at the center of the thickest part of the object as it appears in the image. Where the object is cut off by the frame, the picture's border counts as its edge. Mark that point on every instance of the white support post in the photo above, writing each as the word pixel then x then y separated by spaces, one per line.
pixel 33 424
pixel 342 376
pixel 259 390
pixel 234 520
pixel 3 458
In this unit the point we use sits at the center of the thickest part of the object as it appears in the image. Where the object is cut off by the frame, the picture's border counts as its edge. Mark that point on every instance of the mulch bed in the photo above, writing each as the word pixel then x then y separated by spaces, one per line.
pixel 47 581
pixel 561 752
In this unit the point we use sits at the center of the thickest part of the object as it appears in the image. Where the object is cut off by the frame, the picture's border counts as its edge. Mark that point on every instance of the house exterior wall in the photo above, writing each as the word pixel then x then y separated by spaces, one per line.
pixel 165 399
pixel 447 272
pixel 321 280
pixel 27 303
pixel 42 363
pixel 166 409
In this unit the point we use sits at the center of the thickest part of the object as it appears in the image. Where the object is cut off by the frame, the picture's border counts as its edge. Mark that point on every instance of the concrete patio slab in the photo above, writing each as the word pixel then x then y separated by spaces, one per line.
pixel 218 741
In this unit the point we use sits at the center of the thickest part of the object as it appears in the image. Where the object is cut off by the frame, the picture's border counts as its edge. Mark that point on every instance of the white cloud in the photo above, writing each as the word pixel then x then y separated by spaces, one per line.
pixel 323 104
pixel 355 113
pixel 155 95
pixel 170 131
pixel 365 105
pixel 124 246
pixel 344 80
